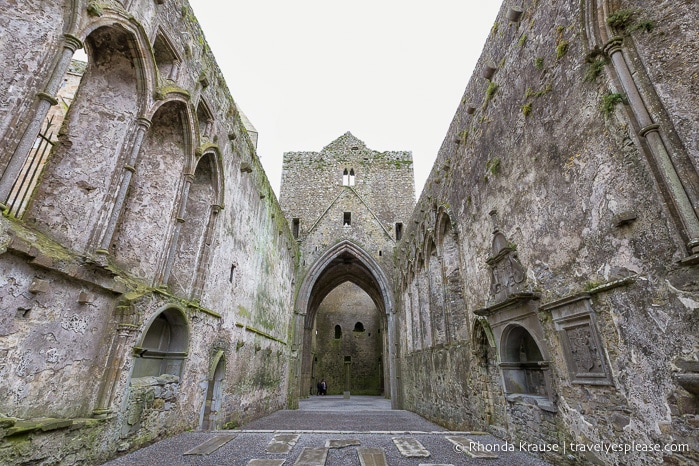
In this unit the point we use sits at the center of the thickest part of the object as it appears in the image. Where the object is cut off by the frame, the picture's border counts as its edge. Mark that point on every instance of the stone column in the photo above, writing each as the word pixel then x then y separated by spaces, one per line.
pixel 174 243
pixel 46 100
pixel 348 371
pixel 129 169
pixel 306 355
pixel 115 363
pixel 203 259
pixel 650 131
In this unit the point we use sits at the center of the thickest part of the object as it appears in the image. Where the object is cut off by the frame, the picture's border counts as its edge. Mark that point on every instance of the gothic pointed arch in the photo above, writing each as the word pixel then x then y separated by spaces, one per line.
pixel 144 66
pixel 360 267
pixel 112 96
pixel 199 204
pixel 344 262
pixel 155 191
pixel 164 344
pixel 167 59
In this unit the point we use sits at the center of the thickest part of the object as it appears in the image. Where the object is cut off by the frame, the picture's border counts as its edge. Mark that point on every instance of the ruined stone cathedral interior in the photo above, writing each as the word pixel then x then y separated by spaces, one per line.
pixel 543 286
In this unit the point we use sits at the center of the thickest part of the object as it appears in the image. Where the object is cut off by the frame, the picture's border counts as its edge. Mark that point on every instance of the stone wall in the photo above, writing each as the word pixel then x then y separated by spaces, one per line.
pixel 147 287
pixel 575 218
pixel 359 338
pixel 543 288
pixel 361 202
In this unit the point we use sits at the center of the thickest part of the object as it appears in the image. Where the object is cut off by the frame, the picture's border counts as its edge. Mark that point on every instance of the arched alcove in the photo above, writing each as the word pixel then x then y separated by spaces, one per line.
pixel 200 202
pixel 437 301
pixel 455 307
pixel 205 118
pixel 211 415
pixel 522 363
pixel 423 292
pixel 80 170
pixel 166 58
pixel 148 220
pixel 164 345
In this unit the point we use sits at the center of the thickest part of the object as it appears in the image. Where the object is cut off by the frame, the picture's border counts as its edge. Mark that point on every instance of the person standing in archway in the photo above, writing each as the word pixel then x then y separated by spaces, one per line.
pixel 323 387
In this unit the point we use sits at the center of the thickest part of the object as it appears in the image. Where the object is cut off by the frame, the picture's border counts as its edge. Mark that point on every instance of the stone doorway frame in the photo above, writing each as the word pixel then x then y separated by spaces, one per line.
pixel 375 283
pixel 211 412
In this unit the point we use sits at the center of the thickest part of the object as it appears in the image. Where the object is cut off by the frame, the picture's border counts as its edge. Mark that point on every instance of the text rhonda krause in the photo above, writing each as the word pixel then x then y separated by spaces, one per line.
pixel 574 447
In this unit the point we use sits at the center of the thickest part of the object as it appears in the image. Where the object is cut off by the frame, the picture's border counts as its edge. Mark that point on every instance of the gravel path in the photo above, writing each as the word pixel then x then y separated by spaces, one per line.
pixel 370 421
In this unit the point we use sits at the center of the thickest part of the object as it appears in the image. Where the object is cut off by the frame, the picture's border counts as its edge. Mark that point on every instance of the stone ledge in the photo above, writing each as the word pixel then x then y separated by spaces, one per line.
pixel 16 426
pixel 44 252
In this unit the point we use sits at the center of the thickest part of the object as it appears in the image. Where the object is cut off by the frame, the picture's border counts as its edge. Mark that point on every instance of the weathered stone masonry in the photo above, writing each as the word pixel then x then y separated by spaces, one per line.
pixel 361 201
pixel 146 276
pixel 543 287
pixel 548 284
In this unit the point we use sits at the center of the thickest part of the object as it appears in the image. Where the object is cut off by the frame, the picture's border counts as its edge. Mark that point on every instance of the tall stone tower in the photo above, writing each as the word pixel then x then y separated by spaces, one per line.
pixel 347 206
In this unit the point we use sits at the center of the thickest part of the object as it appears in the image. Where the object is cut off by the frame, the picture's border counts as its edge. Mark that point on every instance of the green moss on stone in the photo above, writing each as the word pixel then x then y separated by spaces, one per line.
pixel 594 68
pixel 562 49
pixel 493 166
pixel 620 19
pixel 489 93
pixel 611 100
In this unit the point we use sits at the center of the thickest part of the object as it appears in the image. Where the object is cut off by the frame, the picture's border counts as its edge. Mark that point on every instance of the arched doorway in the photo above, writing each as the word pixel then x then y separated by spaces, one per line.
pixel 214 395
pixel 344 262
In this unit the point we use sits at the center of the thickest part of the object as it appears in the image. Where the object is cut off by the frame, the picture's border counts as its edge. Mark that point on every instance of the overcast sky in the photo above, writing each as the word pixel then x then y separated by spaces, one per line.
pixel 305 72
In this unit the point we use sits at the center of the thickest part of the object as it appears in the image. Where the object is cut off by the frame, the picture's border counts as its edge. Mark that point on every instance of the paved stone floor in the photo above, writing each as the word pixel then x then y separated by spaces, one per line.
pixel 332 431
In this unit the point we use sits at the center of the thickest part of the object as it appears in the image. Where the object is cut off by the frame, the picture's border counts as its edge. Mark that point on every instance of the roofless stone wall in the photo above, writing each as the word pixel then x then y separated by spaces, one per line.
pixel 549 281
pixel 146 268
pixel 545 288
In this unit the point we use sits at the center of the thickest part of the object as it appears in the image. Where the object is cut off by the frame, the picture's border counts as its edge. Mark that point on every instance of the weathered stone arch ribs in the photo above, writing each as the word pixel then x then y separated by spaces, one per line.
pixel 343 262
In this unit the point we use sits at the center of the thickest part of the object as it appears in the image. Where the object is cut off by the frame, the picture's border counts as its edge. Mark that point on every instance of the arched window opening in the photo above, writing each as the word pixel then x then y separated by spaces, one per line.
pixel 206 120
pixel 165 58
pixel 351 177
pixel 359 327
pixel 338 332
pixel 522 364
pixel 345 178
pixel 110 95
pixel 26 182
pixel 164 346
